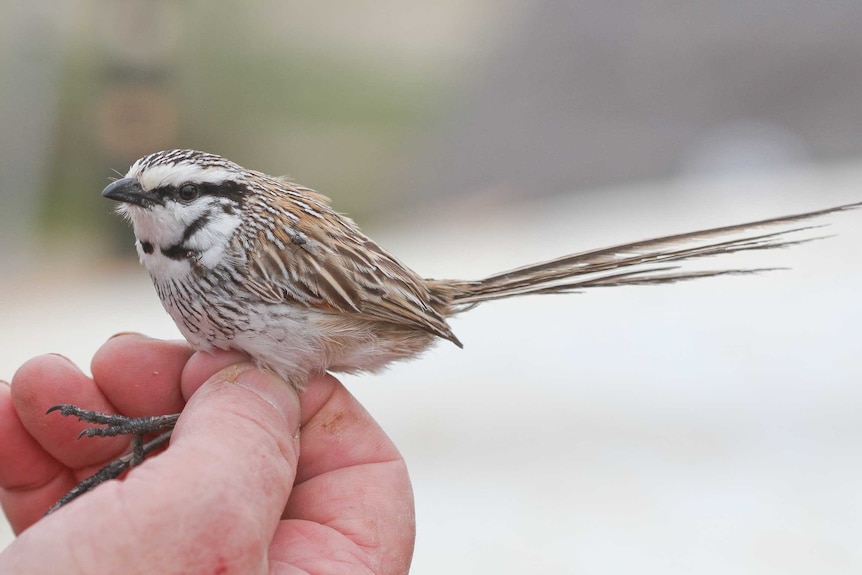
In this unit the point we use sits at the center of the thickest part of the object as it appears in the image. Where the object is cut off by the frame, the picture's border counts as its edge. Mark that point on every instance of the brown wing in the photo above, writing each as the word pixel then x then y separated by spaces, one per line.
pixel 320 259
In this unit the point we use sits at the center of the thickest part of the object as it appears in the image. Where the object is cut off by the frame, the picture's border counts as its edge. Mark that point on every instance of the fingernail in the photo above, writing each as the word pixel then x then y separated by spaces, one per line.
pixel 124 333
pixel 61 356
pixel 6 383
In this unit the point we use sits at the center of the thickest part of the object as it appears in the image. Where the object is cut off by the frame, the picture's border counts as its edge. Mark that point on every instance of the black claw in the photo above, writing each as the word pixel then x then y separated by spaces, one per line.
pixel 86 415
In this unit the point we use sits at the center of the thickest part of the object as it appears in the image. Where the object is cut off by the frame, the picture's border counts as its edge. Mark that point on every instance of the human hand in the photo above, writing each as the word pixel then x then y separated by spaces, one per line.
pixel 238 491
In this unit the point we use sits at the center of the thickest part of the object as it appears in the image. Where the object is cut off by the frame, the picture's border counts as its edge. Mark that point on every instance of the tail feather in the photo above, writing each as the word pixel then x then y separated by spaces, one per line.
pixel 634 263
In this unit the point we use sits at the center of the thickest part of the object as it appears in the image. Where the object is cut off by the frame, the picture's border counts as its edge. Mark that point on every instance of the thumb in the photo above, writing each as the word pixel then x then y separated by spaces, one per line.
pixel 239 431
pixel 232 463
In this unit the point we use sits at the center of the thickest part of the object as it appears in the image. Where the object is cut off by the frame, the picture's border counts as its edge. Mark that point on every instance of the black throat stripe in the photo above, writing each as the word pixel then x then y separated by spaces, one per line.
pixel 194 227
pixel 178 252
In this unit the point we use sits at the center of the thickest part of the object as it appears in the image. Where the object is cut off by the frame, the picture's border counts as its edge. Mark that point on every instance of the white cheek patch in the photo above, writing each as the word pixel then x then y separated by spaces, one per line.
pixel 179 174
pixel 156 225
pixel 212 239
pixel 165 227
pixel 217 230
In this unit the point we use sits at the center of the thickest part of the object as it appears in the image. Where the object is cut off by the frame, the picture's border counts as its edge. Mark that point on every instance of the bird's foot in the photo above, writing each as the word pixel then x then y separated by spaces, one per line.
pixel 136 427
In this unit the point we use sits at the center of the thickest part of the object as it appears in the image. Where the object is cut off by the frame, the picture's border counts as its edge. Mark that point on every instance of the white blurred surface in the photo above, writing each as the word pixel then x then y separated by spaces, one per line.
pixel 706 427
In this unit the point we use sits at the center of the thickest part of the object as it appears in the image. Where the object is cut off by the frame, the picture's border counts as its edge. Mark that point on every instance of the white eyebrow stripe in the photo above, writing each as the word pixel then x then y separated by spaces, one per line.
pixel 176 175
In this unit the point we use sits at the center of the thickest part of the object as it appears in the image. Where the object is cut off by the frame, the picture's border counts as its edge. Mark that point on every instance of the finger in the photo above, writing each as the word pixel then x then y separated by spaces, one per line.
pixel 39 384
pixel 337 432
pixel 352 487
pixel 25 468
pixel 210 503
pixel 23 462
pixel 139 375
pixel 49 380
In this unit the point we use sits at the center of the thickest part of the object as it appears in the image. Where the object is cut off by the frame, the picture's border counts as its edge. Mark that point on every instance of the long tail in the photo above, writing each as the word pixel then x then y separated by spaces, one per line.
pixel 638 263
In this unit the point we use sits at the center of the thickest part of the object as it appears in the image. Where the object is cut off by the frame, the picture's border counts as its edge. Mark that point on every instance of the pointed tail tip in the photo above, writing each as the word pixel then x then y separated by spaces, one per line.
pixel 455 340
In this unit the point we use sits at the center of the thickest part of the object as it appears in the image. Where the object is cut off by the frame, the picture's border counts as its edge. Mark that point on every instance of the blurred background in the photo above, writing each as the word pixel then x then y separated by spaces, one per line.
pixel 709 427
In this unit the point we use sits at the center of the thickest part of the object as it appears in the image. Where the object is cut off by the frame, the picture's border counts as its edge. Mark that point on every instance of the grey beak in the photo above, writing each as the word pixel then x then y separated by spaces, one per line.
pixel 129 191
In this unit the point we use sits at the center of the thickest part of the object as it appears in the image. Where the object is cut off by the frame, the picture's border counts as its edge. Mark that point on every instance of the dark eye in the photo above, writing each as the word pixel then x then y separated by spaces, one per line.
pixel 188 192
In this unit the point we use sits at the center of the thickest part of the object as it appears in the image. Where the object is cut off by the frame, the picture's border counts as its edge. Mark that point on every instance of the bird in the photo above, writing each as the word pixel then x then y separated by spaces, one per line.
pixel 245 261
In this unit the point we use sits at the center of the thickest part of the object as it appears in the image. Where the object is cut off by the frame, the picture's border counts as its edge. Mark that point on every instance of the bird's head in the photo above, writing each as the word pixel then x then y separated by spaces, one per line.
pixel 184 206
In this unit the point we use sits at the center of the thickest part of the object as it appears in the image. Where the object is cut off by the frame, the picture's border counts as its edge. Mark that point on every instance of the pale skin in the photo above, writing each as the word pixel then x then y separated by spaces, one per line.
pixel 232 494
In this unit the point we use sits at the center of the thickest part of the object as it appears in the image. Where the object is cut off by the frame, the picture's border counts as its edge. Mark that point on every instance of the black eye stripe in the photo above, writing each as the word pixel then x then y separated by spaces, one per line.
pixel 164 191
pixel 228 189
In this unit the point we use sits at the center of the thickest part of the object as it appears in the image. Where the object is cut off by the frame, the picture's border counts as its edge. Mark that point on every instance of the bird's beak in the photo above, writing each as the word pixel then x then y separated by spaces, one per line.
pixel 129 191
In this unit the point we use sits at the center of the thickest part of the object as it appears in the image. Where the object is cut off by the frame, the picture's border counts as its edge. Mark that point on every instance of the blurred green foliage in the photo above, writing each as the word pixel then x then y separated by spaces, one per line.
pixel 335 120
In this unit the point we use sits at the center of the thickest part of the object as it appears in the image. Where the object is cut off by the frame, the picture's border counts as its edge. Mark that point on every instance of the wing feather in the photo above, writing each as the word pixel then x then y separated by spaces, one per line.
pixel 333 267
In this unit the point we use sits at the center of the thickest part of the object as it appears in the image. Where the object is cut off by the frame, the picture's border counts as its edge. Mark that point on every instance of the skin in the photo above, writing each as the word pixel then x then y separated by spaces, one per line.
pixel 232 493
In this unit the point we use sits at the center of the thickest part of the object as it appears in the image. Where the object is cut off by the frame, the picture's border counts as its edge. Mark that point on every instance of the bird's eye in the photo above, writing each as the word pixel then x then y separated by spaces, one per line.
pixel 188 192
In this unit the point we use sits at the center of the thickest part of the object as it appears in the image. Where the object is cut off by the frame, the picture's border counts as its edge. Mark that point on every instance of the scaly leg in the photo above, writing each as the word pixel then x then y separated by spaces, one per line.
pixel 137 427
